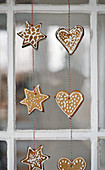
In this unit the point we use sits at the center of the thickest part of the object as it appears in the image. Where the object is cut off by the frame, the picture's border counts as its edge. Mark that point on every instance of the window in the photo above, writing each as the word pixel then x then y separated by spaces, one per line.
pixel 51 72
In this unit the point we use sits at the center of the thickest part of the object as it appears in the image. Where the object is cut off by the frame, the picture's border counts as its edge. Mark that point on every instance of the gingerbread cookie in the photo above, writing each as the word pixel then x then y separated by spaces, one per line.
pixel 70 39
pixel 31 35
pixel 35 158
pixel 34 99
pixel 77 164
pixel 69 103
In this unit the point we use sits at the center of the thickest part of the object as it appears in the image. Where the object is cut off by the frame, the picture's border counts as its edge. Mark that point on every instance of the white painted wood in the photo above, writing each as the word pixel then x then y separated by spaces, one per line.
pixel 10 153
pixel 53 9
pixel 11 84
pixel 94 88
pixel 11 135
pixel 48 135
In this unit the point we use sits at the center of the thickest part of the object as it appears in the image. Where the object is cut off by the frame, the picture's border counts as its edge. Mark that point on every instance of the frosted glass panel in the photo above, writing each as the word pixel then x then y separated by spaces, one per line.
pixel 52 2
pixel 3 155
pixel 101 62
pixel 3 72
pixel 51 72
pixel 56 150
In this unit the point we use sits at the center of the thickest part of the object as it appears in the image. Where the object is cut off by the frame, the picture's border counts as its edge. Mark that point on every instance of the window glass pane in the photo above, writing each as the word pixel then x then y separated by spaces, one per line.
pixel 51 72
pixel 52 2
pixel 56 150
pixel 3 155
pixel 102 154
pixel 101 62
pixel 3 72
pixel 101 1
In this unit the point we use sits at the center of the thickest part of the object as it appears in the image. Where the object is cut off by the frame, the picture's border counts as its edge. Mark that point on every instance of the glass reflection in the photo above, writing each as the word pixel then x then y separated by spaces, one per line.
pixel 3 155
pixel 56 150
pixel 102 153
pixel 101 62
pixel 3 73
pixel 59 2
pixel 2 1
pixel 51 72
pixel 101 1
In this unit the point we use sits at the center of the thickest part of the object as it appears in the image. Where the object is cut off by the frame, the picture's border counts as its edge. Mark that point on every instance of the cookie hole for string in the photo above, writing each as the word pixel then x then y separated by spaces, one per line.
pixel 71 166
pixel 34 90
pixel 69 97
pixel 30 26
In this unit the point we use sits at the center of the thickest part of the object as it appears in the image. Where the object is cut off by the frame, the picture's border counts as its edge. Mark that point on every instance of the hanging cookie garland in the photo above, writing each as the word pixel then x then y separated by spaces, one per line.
pixel 35 158
pixel 77 164
pixel 70 102
pixel 70 39
pixel 31 35
pixel 33 99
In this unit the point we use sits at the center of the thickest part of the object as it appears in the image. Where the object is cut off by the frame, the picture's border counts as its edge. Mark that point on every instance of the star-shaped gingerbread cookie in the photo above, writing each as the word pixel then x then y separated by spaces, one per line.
pixel 34 99
pixel 31 35
pixel 35 158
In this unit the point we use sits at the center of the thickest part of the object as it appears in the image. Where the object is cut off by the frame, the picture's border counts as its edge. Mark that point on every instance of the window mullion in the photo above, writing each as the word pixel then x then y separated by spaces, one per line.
pixel 11 89
pixel 94 90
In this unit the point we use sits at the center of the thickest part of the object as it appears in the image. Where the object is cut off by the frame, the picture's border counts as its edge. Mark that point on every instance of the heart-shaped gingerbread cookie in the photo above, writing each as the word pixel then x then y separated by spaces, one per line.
pixel 69 103
pixel 70 39
pixel 77 164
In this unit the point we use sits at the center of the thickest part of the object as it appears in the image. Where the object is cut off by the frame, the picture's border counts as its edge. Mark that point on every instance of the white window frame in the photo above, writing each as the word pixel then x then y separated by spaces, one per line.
pixel 11 135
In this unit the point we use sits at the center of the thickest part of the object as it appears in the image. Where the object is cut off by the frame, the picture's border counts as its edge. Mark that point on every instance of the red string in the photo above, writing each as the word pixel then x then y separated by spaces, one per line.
pixel 70 80
pixel 34 111
pixel 69 13
pixel 33 79
pixel 71 140
pixel 32 11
